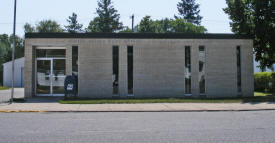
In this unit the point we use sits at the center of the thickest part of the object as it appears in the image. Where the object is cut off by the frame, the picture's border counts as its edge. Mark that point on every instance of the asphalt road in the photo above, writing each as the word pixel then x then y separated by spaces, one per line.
pixel 159 127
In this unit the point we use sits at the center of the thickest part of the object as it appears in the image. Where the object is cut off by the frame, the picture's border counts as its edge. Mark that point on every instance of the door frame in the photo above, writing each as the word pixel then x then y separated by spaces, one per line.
pixel 51 76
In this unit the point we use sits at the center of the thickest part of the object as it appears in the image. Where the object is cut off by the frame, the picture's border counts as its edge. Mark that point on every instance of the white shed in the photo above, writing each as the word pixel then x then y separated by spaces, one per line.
pixel 18 73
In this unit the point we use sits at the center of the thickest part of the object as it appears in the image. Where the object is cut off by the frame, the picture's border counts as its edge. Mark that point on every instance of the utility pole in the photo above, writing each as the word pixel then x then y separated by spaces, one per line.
pixel 13 49
pixel 133 19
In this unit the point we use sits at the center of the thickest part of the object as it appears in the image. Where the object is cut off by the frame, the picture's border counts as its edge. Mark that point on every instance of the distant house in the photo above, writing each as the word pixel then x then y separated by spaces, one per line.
pixel 18 73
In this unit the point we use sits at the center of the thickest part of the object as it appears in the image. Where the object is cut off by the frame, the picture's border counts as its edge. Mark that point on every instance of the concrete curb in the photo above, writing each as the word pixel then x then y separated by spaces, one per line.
pixel 72 111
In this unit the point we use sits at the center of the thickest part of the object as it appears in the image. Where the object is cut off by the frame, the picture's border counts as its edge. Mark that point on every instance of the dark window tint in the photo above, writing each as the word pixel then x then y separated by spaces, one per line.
pixel 115 69
pixel 51 53
pixel 130 68
pixel 75 60
pixel 187 70
pixel 239 75
pixel 202 69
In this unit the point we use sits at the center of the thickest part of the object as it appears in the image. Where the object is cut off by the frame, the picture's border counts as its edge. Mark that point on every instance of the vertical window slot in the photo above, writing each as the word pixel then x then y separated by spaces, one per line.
pixel 130 67
pixel 202 69
pixel 115 76
pixel 187 70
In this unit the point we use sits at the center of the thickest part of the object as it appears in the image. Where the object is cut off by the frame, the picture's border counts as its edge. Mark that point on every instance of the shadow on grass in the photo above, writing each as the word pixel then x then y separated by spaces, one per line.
pixel 270 99
pixel 258 99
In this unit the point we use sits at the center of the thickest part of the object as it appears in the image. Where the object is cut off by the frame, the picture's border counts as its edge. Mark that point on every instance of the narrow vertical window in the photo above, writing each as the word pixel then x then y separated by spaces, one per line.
pixel 130 67
pixel 187 70
pixel 75 60
pixel 202 69
pixel 239 71
pixel 115 69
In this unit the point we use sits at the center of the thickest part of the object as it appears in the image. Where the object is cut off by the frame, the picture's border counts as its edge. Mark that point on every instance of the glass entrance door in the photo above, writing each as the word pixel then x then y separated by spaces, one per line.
pixel 43 77
pixel 59 75
pixel 50 76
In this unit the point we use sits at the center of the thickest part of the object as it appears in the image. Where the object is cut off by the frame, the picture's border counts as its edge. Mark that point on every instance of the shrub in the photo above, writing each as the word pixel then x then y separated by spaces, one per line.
pixel 264 81
pixel 273 82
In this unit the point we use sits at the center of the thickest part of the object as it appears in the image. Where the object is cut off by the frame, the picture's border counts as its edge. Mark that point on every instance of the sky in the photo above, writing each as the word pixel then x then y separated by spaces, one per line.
pixel 33 11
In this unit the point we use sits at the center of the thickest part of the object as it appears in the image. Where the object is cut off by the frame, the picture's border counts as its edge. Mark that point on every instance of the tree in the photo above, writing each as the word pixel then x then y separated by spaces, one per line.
pixel 181 26
pixel 189 10
pixel 28 28
pixel 146 25
pixel 126 29
pixel 74 26
pixel 107 19
pixel 48 26
pixel 43 26
pixel 94 25
pixel 6 51
pixel 255 18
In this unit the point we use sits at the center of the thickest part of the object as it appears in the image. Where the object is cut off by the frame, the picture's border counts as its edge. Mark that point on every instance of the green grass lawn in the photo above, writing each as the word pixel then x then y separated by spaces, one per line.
pixel 258 97
pixel 3 88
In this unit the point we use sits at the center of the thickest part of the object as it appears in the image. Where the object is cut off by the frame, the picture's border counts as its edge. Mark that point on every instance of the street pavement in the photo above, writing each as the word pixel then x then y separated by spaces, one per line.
pixel 138 127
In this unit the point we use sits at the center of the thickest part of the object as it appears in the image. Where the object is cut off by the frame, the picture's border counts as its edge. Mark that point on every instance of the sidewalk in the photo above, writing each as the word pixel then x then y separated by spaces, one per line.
pixel 54 106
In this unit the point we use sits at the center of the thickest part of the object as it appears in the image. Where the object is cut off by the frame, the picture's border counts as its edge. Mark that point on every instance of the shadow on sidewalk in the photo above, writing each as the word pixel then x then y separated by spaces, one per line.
pixel 39 100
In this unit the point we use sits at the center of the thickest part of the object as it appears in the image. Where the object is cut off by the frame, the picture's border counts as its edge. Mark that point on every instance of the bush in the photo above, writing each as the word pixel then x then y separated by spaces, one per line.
pixel 264 82
pixel 273 82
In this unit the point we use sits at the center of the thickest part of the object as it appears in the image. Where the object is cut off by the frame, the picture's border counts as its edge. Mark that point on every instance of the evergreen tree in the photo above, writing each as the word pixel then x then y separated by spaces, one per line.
pixel 107 19
pixel 189 10
pixel 74 26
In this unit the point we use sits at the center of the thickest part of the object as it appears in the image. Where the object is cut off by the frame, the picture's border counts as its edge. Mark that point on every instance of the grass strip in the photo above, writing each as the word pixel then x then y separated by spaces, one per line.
pixel 259 97
pixel 4 88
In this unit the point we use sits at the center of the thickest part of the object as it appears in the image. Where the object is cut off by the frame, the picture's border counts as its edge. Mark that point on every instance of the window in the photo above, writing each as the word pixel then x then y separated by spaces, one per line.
pixel 115 70
pixel 202 69
pixel 75 60
pixel 130 69
pixel 187 70
pixel 50 53
pixel 239 71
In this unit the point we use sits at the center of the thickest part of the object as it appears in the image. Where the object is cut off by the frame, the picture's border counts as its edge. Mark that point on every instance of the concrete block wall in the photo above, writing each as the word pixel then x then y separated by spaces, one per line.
pixel 159 66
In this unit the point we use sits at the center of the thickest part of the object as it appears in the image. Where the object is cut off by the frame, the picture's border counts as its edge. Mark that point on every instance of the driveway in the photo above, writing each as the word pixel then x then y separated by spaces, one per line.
pixel 6 94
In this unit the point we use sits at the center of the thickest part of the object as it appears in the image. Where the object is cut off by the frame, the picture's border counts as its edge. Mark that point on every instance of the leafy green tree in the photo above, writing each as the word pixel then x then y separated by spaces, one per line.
pixel 94 25
pixel 181 26
pixel 28 28
pixel 126 29
pixel 189 10
pixel 48 26
pixel 74 26
pixel 44 26
pixel 6 51
pixel 107 19
pixel 257 19
pixel 146 25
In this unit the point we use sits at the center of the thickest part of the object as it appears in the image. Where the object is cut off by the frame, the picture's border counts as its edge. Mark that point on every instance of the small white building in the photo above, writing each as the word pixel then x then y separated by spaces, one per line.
pixel 18 73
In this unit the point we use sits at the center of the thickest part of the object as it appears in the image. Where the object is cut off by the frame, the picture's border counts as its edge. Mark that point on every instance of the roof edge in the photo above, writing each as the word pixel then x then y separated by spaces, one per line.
pixel 139 35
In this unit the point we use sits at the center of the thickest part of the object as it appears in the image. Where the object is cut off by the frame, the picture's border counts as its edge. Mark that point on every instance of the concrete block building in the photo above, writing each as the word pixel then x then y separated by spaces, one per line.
pixel 135 65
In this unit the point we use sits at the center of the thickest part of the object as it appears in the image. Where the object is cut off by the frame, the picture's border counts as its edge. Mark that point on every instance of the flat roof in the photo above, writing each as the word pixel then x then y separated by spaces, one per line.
pixel 138 35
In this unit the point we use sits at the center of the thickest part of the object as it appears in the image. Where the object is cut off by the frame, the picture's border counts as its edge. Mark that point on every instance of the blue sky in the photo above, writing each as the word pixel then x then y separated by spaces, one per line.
pixel 33 11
